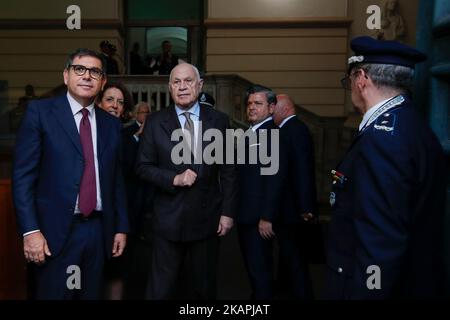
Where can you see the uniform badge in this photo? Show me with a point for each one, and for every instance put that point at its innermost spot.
(385, 123)
(332, 198)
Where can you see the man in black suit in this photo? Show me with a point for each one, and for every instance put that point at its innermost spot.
(136, 193)
(298, 197)
(259, 193)
(140, 196)
(194, 203)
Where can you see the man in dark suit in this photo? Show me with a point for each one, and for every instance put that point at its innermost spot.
(140, 197)
(67, 185)
(137, 193)
(194, 202)
(298, 199)
(259, 193)
(385, 237)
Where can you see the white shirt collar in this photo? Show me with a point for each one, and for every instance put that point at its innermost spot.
(195, 110)
(370, 112)
(256, 126)
(286, 120)
(76, 107)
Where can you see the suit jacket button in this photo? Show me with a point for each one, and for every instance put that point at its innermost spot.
(340, 270)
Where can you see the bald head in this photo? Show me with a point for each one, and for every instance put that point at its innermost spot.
(184, 67)
(284, 108)
(185, 85)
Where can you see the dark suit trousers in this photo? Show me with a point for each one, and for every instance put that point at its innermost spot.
(289, 239)
(168, 258)
(258, 259)
(84, 248)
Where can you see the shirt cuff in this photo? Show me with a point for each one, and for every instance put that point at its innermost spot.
(136, 138)
(30, 232)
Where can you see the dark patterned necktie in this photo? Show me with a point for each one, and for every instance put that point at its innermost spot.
(189, 127)
(88, 190)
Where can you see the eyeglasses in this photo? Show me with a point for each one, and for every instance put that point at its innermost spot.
(178, 83)
(94, 73)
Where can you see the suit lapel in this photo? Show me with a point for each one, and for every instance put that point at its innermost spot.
(63, 114)
(207, 123)
(102, 131)
(170, 123)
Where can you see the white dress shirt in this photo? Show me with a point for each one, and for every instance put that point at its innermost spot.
(76, 111)
(286, 120)
(134, 135)
(370, 112)
(256, 126)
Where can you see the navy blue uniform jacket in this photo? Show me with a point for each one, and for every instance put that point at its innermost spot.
(387, 211)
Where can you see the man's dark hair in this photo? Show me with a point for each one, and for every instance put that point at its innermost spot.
(82, 52)
(256, 88)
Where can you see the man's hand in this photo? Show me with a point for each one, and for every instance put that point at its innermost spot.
(120, 240)
(225, 225)
(35, 248)
(185, 179)
(138, 133)
(265, 229)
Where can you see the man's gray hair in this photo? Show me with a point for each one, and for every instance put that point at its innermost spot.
(389, 76)
(197, 73)
(139, 104)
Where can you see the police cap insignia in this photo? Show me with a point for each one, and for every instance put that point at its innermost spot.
(206, 99)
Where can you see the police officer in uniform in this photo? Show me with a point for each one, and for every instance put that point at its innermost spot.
(205, 99)
(384, 238)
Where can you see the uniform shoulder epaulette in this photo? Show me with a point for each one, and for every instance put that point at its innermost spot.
(386, 123)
